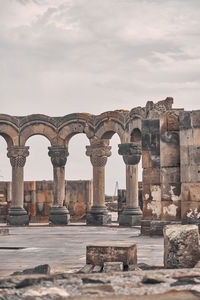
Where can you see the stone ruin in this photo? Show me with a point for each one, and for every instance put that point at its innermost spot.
(167, 139)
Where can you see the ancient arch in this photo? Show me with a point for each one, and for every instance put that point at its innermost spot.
(9, 132)
(157, 125)
(38, 128)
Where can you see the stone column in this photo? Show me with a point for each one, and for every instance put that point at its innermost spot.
(59, 214)
(17, 214)
(99, 151)
(132, 213)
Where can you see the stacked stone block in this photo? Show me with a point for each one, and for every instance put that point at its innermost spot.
(151, 173)
(170, 167)
(190, 166)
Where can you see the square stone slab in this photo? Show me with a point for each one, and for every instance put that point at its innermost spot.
(99, 253)
(4, 231)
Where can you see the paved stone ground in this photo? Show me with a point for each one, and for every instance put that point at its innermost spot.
(63, 248)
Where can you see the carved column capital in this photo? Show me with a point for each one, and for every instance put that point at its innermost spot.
(131, 153)
(17, 155)
(58, 155)
(98, 152)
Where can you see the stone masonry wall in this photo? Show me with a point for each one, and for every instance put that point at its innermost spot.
(38, 199)
(151, 192)
(170, 167)
(190, 166)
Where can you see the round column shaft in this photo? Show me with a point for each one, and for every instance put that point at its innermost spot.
(132, 213)
(99, 186)
(132, 186)
(59, 214)
(59, 186)
(17, 214)
(99, 151)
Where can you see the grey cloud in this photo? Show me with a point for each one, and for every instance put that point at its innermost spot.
(62, 56)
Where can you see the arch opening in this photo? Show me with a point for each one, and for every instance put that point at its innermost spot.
(7, 138)
(38, 164)
(5, 166)
(115, 175)
(136, 136)
(79, 193)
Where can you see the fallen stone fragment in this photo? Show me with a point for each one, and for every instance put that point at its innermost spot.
(145, 267)
(94, 281)
(197, 265)
(99, 253)
(185, 281)
(86, 269)
(188, 275)
(115, 266)
(181, 246)
(28, 282)
(96, 290)
(43, 291)
(97, 269)
(7, 283)
(152, 279)
(4, 231)
(133, 268)
(41, 269)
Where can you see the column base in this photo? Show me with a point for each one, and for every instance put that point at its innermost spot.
(98, 216)
(59, 215)
(155, 227)
(130, 217)
(17, 217)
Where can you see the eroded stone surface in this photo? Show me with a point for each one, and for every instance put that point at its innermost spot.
(146, 285)
(181, 246)
(99, 253)
(4, 231)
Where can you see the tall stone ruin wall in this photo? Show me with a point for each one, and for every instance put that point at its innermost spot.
(170, 141)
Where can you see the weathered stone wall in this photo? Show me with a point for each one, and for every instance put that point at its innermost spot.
(78, 198)
(161, 171)
(38, 199)
(190, 166)
(151, 173)
(170, 167)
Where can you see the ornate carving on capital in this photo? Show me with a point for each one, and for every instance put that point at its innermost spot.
(98, 153)
(131, 153)
(58, 155)
(17, 155)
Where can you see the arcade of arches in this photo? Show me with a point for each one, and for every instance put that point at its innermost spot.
(168, 140)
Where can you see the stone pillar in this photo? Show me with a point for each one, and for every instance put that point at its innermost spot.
(17, 214)
(132, 213)
(59, 214)
(99, 151)
(151, 186)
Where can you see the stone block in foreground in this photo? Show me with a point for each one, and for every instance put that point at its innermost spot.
(4, 231)
(181, 246)
(99, 253)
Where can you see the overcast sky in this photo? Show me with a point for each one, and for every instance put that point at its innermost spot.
(62, 56)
